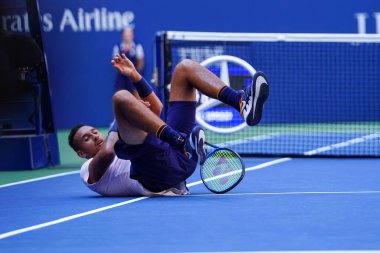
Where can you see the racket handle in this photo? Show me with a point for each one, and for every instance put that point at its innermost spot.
(211, 145)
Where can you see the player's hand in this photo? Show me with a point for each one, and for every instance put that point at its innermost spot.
(125, 67)
(147, 104)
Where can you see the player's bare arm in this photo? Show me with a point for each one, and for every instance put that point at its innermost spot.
(102, 160)
(125, 67)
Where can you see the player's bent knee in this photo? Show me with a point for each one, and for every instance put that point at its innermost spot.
(182, 72)
(122, 97)
(185, 65)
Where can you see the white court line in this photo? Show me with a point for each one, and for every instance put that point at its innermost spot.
(248, 139)
(39, 178)
(72, 217)
(257, 167)
(279, 193)
(46, 224)
(344, 144)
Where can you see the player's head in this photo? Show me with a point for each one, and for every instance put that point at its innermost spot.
(85, 140)
(127, 35)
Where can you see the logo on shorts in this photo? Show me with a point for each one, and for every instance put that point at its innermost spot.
(213, 114)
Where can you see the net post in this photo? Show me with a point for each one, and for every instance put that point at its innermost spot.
(160, 69)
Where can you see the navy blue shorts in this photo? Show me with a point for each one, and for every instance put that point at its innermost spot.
(155, 164)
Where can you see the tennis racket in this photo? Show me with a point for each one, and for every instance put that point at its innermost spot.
(222, 170)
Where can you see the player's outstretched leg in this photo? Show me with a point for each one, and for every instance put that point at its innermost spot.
(253, 99)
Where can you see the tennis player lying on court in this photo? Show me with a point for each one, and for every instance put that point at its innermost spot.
(142, 155)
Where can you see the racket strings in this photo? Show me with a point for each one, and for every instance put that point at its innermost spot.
(222, 170)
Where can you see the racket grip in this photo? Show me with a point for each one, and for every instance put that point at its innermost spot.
(211, 145)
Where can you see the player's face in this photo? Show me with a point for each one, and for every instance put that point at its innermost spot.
(89, 141)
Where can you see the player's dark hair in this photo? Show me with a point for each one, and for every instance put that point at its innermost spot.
(72, 133)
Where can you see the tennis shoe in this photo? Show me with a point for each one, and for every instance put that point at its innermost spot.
(253, 99)
(194, 144)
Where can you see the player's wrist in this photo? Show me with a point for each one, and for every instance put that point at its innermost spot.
(135, 76)
(143, 88)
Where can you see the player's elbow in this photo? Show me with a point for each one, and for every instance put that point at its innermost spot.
(106, 154)
(158, 109)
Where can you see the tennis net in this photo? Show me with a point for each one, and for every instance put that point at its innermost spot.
(324, 90)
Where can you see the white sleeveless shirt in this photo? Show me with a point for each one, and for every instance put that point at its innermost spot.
(117, 182)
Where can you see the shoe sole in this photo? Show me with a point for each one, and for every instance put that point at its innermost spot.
(261, 95)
